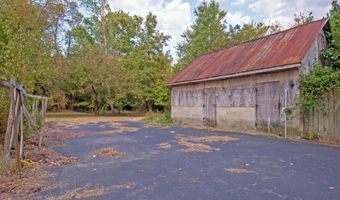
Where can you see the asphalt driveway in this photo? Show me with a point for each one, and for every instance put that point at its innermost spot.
(155, 165)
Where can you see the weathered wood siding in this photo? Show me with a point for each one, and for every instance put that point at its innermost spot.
(268, 106)
(235, 101)
(313, 55)
(209, 106)
(324, 120)
(238, 96)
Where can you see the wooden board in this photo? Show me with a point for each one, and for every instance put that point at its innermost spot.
(209, 106)
(268, 105)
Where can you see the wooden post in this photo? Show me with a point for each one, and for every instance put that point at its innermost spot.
(14, 114)
(21, 131)
(16, 133)
(43, 111)
(10, 120)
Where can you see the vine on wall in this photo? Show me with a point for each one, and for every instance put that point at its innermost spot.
(315, 86)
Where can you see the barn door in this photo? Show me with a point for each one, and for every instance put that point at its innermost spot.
(268, 105)
(209, 106)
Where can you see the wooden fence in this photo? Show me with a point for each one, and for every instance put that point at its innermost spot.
(14, 136)
(324, 121)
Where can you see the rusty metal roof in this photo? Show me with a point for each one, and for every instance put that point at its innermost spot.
(279, 49)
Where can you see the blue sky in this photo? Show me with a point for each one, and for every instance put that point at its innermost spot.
(174, 16)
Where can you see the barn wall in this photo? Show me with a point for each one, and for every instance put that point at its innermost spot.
(235, 99)
(313, 55)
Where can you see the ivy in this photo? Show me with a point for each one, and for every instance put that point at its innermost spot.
(316, 85)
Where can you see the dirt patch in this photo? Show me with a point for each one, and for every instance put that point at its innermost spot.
(196, 144)
(118, 128)
(55, 144)
(24, 185)
(66, 135)
(82, 192)
(88, 191)
(239, 171)
(7, 165)
(164, 146)
(108, 151)
(48, 157)
(33, 176)
(91, 119)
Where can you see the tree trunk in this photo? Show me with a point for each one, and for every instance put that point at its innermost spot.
(112, 107)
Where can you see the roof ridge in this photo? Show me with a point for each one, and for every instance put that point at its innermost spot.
(265, 36)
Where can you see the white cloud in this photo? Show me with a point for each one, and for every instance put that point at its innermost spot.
(237, 18)
(283, 11)
(239, 2)
(173, 16)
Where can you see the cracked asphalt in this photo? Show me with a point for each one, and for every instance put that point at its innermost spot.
(279, 168)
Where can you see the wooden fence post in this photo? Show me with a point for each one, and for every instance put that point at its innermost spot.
(10, 121)
(43, 114)
(21, 130)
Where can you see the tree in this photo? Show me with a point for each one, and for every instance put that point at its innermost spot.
(303, 18)
(238, 34)
(210, 32)
(150, 66)
(207, 33)
(332, 54)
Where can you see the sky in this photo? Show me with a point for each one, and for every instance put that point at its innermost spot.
(175, 16)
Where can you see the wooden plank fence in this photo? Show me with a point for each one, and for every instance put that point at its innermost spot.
(14, 136)
(324, 120)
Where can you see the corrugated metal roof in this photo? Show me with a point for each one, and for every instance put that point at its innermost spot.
(279, 49)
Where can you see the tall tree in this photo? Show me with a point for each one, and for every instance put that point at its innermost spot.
(150, 65)
(207, 33)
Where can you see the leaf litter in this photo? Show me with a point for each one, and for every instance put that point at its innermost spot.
(107, 151)
(164, 146)
(118, 128)
(88, 191)
(196, 143)
(239, 171)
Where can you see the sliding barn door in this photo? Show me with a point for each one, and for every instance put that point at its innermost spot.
(268, 105)
(209, 106)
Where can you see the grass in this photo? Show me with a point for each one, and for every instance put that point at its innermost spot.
(312, 137)
(68, 114)
(159, 119)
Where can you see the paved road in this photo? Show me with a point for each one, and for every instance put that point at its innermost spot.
(275, 168)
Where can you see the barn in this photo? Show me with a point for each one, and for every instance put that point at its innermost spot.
(247, 86)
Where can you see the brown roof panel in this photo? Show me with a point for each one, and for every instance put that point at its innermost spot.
(283, 48)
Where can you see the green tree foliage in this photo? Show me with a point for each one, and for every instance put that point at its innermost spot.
(24, 43)
(323, 79)
(238, 34)
(316, 85)
(207, 33)
(332, 54)
(210, 32)
(150, 65)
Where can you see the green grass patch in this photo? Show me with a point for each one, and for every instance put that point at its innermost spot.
(68, 114)
(313, 137)
(159, 119)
